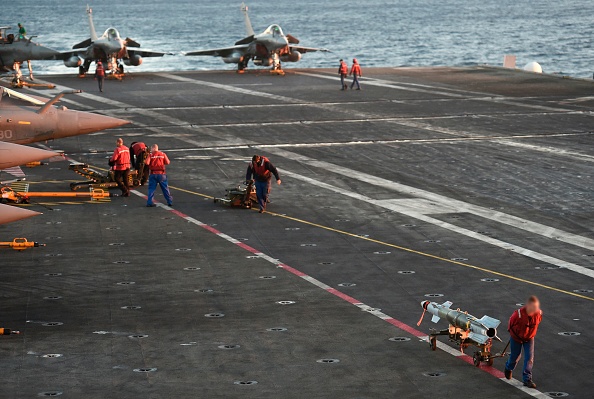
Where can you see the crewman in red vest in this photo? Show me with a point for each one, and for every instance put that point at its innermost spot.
(100, 75)
(138, 154)
(262, 170)
(523, 325)
(356, 72)
(120, 161)
(156, 162)
(343, 71)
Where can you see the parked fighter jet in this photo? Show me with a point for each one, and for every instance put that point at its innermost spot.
(109, 48)
(26, 119)
(17, 50)
(14, 155)
(268, 48)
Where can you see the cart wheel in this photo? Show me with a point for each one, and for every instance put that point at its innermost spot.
(476, 359)
(490, 361)
(433, 343)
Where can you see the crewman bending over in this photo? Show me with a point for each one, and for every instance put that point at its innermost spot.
(156, 162)
(138, 154)
(523, 325)
(120, 161)
(8, 331)
(262, 170)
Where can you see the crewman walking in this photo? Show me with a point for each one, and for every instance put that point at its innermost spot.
(343, 71)
(262, 170)
(356, 72)
(100, 75)
(120, 161)
(139, 153)
(156, 162)
(522, 327)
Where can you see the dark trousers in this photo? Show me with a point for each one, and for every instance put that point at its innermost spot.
(342, 84)
(514, 355)
(262, 191)
(355, 81)
(121, 177)
(100, 83)
(142, 172)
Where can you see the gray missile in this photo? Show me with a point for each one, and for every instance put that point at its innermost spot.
(479, 330)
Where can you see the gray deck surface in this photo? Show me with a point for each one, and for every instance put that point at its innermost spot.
(488, 166)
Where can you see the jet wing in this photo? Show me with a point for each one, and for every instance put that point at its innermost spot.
(303, 49)
(221, 52)
(144, 53)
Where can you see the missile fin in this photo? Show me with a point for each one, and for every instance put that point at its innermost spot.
(435, 319)
(447, 304)
(479, 338)
(489, 322)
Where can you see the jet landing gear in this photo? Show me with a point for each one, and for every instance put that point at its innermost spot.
(276, 66)
(84, 68)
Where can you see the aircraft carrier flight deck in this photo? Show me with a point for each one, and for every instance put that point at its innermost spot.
(470, 185)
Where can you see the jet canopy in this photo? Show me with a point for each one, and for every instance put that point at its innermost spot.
(112, 34)
(274, 30)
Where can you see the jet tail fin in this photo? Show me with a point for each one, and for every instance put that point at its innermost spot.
(248, 24)
(91, 24)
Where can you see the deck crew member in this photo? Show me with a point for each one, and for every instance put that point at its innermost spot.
(121, 166)
(522, 327)
(138, 154)
(356, 72)
(156, 162)
(262, 170)
(22, 31)
(100, 75)
(8, 331)
(343, 71)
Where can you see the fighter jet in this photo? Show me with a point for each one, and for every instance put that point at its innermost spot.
(109, 48)
(268, 48)
(26, 119)
(14, 155)
(17, 50)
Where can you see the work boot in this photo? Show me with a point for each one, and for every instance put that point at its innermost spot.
(261, 211)
(530, 384)
(150, 205)
(508, 374)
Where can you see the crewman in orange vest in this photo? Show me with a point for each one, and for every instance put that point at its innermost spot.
(120, 161)
(343, 71)
(100, 75)
(156, 162)
(356, 72)
(262, 170)
(138, 154)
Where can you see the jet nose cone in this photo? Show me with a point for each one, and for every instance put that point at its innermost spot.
(89, 123)
(45, 53)
(10, 214)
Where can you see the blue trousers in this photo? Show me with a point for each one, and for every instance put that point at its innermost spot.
(342, 85)
(161, 180)
(262, 190)
(355, 81)
(515, 351)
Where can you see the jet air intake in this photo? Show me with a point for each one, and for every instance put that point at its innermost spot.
(233, 58)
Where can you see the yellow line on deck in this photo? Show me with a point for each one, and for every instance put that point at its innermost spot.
(410, 250)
